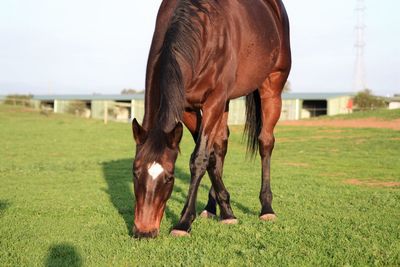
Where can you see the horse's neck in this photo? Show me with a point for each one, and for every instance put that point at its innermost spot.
(150, 109)
(151, 116)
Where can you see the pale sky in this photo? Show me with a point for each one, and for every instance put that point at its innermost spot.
(71, 46)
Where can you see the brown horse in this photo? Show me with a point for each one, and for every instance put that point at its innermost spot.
(205, 53)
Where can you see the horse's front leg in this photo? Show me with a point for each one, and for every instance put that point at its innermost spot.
(218, 192)
(212, 117)
(192, 120)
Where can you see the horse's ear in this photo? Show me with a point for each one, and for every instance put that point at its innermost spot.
(139, 134)
(175, 136)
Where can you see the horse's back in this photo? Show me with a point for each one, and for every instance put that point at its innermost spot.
(262, 29)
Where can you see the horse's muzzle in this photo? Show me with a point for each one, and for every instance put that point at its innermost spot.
(152, 234)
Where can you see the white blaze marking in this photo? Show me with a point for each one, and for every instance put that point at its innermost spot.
(155, 170)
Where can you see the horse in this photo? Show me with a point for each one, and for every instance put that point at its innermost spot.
(205, 53)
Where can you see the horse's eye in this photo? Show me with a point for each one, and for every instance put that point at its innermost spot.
(169, 179)
(136, 174)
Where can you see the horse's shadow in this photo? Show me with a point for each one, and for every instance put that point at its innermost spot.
(63, 255)
(118, 175)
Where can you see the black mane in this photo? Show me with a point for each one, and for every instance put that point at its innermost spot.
(181, 40)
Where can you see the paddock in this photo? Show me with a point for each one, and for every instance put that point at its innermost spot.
(66, 197)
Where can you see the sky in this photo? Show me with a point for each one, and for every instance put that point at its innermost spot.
(101, 46)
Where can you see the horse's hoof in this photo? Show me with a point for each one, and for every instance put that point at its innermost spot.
(268, 217)
(207, 215)
(230, 221)
(179, 233)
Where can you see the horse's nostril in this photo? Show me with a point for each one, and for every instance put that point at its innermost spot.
(151, 234)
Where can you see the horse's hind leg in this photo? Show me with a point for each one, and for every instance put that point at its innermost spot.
(210, 210)
(271, 103)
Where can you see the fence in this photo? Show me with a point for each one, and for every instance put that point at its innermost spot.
(19, 101)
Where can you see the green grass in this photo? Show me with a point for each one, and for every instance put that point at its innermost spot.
(384, 114)
(66, 199)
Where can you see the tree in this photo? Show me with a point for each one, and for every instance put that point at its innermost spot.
(366, 100)
(129, 92)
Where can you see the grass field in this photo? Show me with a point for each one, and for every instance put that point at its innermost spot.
(383, 114)
(66, 199)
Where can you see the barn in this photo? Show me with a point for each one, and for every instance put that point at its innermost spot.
(115, 107)
(121, 108)
(296, 106)
(394, 102)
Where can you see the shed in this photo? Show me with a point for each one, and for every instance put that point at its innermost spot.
(394, 102)
(295, 106)
(119, 107)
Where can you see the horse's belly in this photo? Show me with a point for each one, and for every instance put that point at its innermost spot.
(252, 70)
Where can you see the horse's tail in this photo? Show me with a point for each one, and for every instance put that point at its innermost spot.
(253, 121)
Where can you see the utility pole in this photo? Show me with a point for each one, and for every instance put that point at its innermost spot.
(359, 83)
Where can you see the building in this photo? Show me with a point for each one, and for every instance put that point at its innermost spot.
(394, 102)
(115, 107)
(122, 108)
(297, 106)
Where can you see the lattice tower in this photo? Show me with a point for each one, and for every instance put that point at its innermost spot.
(359, 82)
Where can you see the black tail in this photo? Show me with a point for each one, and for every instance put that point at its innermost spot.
(253, 121)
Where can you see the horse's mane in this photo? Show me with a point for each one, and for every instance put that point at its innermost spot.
(181, 40)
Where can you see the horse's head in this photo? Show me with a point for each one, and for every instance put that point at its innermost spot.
(153, 171)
